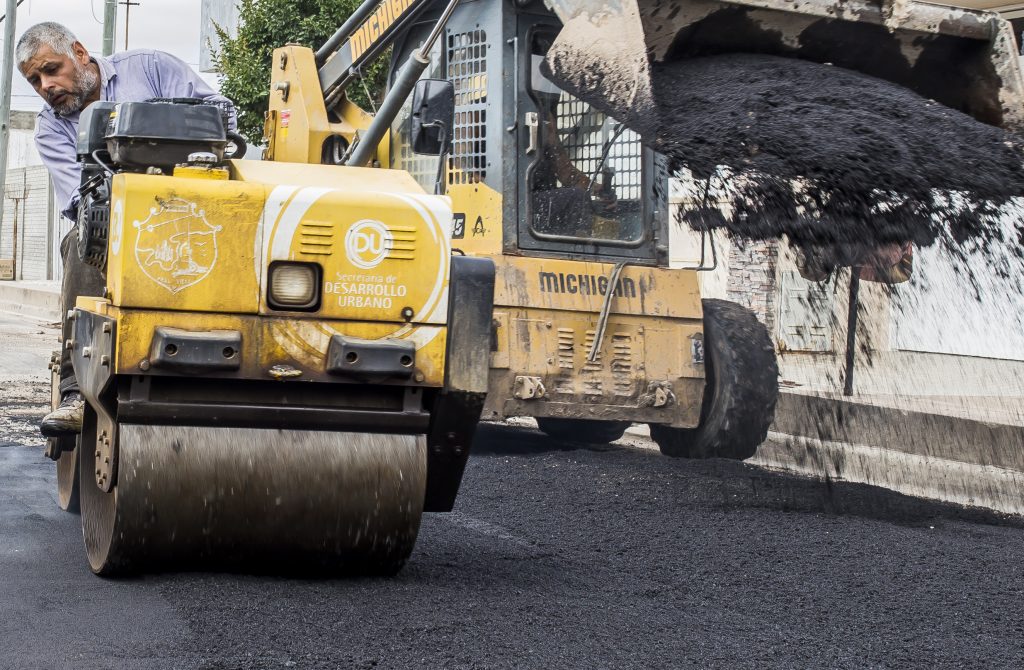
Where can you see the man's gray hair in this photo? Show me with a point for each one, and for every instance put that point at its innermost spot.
(53, 35)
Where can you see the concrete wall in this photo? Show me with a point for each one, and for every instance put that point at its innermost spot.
(952, 305)
(28, 212)
(968, 305)
(21, 151)
(28, 205)
(744, 272)
(223, 13)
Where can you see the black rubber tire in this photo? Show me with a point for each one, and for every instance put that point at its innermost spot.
(582, 430)
(740, 393)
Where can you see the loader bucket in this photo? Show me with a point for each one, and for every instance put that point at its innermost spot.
(965, 59)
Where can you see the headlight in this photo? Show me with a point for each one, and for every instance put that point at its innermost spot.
(294, 286)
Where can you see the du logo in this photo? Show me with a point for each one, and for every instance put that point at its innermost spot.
(176, 246)
(367, 243)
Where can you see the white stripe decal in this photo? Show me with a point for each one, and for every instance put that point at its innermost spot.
(271, 212)
(439, 296)
(281, 242)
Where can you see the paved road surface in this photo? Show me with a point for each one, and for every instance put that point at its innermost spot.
(556, 557)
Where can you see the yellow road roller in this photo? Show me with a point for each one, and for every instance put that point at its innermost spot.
(286, 363)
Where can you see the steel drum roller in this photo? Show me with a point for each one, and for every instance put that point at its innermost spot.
(339, 501)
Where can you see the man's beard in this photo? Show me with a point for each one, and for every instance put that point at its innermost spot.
(74, 100)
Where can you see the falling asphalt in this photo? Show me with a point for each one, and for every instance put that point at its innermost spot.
(822, 155)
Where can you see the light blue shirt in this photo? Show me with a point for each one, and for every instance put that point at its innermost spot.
(129, 76)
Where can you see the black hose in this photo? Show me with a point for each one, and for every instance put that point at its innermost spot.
(102, 163)
(240, 146)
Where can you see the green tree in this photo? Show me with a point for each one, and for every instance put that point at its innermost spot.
(265, 25)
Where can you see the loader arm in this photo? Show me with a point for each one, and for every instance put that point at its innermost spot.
(310, 119)
(370, 30)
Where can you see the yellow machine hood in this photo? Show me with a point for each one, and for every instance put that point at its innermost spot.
(382, 246)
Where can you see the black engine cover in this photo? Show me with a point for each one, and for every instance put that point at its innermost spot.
(163, 134)
(94, 221)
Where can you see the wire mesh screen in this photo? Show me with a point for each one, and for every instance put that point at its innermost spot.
(467, 70)
(585, 132)
(422, 167)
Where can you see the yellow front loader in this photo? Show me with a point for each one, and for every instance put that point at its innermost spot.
(592, 329)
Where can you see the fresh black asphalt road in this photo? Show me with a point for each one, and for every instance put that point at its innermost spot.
(558, 556)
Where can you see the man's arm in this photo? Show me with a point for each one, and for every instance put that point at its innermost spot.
(173, 78)
(58, 148)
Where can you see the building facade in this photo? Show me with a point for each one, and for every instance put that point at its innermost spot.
(221, 14)
(30, 225)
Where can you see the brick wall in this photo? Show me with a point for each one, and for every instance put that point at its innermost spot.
(747, 271)
(752, 278)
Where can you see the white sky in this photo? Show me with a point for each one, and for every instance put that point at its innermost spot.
(167, 25)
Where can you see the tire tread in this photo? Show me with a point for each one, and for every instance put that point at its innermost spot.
(735, 418)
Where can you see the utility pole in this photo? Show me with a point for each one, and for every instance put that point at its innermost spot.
(851, 329)
(109, 26)
(10, 21)
(18, 200)
(128, 4)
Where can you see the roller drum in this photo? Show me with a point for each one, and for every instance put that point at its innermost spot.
(67, 479)
(347, 502)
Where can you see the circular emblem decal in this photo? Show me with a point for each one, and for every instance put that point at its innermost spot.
(367, 243)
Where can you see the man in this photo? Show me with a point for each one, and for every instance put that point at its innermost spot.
(891, 263)
(69, 79)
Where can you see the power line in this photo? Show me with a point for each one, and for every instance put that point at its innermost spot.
(5, 16)
(92, 8)
(128, 4)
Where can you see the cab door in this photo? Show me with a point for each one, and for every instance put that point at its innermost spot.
(581, 174)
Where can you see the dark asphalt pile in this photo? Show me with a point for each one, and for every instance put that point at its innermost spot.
(870, 152)
(554, 558)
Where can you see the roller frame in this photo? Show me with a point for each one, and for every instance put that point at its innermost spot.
(92, 355)
(456, 410)
(116, 400)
